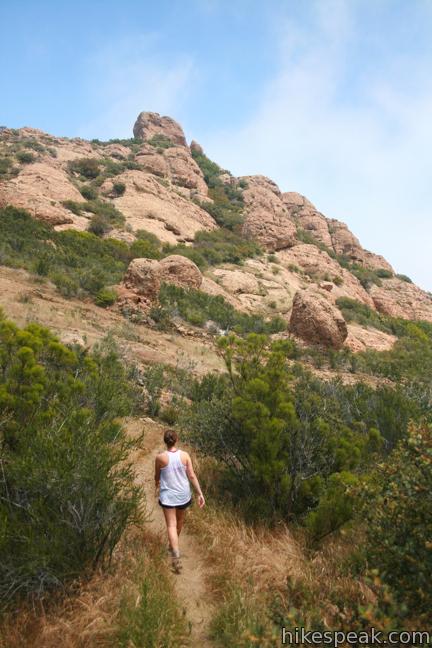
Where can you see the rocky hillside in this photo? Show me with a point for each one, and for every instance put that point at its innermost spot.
(295, 262)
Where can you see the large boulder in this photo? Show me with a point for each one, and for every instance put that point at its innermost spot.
(149, 124)
(316, 320)
(143, 277)
(181, 271)
(266, 218)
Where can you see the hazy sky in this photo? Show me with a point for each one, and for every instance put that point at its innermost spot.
(330, 98)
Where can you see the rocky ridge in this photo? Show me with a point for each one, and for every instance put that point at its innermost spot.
(157, 184)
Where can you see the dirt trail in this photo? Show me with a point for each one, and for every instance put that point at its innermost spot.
(190, 584)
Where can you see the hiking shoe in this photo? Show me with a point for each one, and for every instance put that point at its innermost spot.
(176, 564)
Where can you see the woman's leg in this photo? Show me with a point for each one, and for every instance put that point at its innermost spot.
(180, 515)
(171, 524)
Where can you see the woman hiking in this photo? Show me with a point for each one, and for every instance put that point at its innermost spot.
(173, 471)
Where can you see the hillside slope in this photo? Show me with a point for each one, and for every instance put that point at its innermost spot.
(155, 185)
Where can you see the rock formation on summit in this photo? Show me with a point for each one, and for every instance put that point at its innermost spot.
(149, 124)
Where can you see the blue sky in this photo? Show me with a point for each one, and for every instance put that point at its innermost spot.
(331, 98)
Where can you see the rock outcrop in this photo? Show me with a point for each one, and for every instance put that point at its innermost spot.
(399, 298)
(316, 320)
(332, 233)
(266, 218)
(320, 267)
(194, 146)
(176, 164)
(149, 204)
(41, 189)
(145, 276)
(181, 271)
(149, 124)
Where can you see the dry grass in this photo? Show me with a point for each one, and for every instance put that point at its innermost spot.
(90, 617)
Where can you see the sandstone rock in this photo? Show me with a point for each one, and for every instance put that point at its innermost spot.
(194, 146)
(346, 244)
(41, 189)
(316, 320)
(184, 171)
(212, 288)
(398, 298)
(266, 218)
(236, 281)
(179, 270)
(143, 277)
(117, 151)
(148, 204)
(360, 338)
(319, 266)
(331, 232)
(149, 124)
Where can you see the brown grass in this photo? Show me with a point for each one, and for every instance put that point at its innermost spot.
(90, 616)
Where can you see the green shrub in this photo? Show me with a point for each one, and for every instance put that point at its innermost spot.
(153, 380)
(404, 277)
(398, 509)
(287, 450)
(145, 249)
(119, 188)
(88, 192)
(85, 167)
(25, 157)
(197, 307)
(78, 263)
(99, 225)
(105, 297)
(106, 215)
(160, 141)
(5, 165)
(227, 205)
(383, 273)
(67, 490)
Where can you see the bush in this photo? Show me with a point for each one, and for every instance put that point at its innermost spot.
(106, 215)
(79, 263)
(160, 141)
(85, 167)
(88, 192)
(119, 188)
(5, 165)
(398, 509)
(284, 449)
(67, 490)
(197, 307)
(383, 273)
(403, 277)
(227, 205)
(25, 157)
(105, 297)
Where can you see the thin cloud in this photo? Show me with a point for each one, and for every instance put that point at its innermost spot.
(358, 146)
(129, 77)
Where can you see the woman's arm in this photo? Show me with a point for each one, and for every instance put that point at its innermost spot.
(157, 474)
(194, 480)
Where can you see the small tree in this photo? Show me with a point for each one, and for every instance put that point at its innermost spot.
(399, 520)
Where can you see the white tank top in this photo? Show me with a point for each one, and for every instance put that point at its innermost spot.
(174, 483)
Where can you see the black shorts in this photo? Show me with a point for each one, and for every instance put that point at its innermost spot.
(179, 506)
